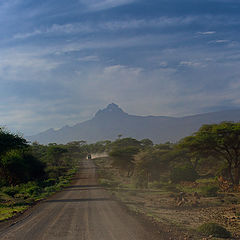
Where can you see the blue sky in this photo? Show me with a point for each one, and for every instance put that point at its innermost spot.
(60, 61)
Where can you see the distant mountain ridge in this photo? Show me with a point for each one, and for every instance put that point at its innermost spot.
(112, 121)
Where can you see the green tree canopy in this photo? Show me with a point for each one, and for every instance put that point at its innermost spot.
(20, 166)
(10, 141)
(146, 143)
(123, 158)
(218, 140)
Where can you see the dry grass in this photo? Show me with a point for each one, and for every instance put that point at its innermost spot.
(162, 206)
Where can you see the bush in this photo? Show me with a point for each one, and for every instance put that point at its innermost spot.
(214, 229)
(49, 182)
(171, 188)
(209, 191)
(50, 189)
(141, 180)
(108, 183)
(186, 173)
(34, 190)
(3, 182)
(155, 184)
(10, 191)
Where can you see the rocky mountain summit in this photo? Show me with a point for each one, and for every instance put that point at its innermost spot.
(111, 121)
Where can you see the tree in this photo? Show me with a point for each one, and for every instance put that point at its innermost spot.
(146, 143)
(124, 142)
(10, 141)
(20, 166)
(123, 152)
(218, 140)
(55, 154)
(119, 136)
(150, 164)
(123, 158)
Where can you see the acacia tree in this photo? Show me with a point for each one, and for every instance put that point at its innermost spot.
(123, 152)
(218, 140)
(10, 141)
(17, 164)
(123, 158)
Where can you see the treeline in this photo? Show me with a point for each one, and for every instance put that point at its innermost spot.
(30, 172)
(213, 151)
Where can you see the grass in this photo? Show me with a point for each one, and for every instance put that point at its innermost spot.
(16, 199)
(159, 200)
(214, 230)
(8, 212)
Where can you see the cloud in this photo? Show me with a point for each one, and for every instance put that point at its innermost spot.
(207, 33)
(90, 58)
(222, 41)
(24, 65)
(110, 26)
(98, 5)
(69, 59)
(190, 64)
(56, 29)
(219, 41)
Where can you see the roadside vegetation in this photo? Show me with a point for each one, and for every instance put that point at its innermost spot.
(29, 173)
(191, 187)
(181, 185)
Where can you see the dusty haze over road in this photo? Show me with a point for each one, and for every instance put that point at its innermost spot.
(81, 211)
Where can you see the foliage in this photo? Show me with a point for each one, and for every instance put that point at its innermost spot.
(125, 142)
(123, 158)
(209, 191)
(149, 165)
(108, 183)
(214, 229)
(32, 172)
(184, 173)
(146, 143)
(218, 140)
(20, 166)
(155, 184)
(123, 152)
(10, 141)
(55, 154)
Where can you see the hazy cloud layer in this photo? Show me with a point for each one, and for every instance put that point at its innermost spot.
(61, 61)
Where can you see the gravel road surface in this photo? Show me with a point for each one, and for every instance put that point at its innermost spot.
(81, 211)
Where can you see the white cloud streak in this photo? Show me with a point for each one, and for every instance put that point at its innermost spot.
(98, 5)
(78, 28)
(207, 33)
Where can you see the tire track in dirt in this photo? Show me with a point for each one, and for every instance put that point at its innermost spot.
(82, 211)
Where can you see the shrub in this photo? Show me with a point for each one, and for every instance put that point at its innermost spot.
(171, 188)
(209, 191)
(186, 173)
(50, 189)
(10, 191)
(33, 190)
(155, 184)
(214, 229)
(49, 182)
(108, 183)
(140, 180)
(3, 183)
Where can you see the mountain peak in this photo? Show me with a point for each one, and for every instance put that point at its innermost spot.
(112, 109)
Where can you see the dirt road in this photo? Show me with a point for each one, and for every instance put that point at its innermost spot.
(81, 211)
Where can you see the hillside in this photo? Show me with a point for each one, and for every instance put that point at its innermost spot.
(111, 121)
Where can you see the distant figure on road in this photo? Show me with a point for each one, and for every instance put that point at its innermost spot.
(89, 156)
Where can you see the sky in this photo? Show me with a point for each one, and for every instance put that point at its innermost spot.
(61, 61)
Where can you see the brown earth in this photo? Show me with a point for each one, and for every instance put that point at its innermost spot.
(81, 211)
(161, 206)
(181, 222)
